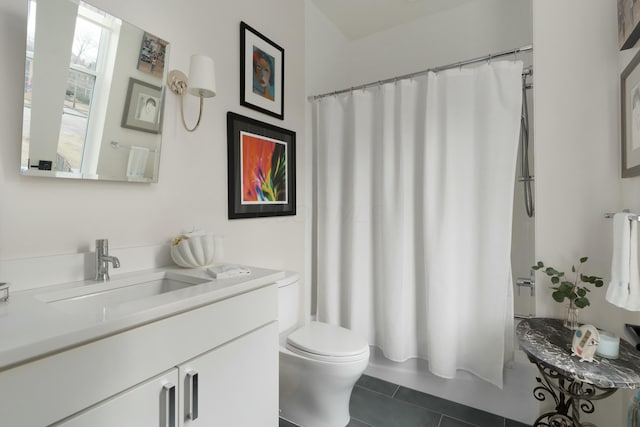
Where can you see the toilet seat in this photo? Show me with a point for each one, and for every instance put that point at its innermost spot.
(324, 342)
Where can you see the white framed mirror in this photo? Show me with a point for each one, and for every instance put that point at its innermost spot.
(94, 95)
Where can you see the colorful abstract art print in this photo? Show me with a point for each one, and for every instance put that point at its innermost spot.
(261, 73)
(264, 169)
(261, 168)
(153, 51)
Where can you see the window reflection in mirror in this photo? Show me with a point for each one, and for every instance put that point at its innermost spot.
(79, 64)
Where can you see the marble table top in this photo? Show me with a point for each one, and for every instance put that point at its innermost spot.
(548, 342)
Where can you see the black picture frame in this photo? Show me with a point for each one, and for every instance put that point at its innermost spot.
(628, 23)
(261, 167)
(260, 56)
(135, 115)
(630, 118)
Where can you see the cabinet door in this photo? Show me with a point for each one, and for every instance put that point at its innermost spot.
(235, 384)
(152, 403)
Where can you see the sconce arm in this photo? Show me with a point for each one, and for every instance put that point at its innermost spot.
(184, 123)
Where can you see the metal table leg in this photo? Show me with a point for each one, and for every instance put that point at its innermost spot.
(570, 395)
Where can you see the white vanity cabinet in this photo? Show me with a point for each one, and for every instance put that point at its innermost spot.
(231, 385)
(221, 359)
(237, 384)
(152, 403)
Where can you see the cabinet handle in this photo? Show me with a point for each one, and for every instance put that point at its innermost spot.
(169, 391)
(192, 402)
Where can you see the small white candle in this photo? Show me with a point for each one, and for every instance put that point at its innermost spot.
(609, 345)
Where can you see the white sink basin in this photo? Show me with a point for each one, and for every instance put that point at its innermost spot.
(122, 296)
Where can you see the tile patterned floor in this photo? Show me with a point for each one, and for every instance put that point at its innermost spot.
(378, 403)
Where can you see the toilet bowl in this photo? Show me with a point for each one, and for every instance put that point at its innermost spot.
(319, 365)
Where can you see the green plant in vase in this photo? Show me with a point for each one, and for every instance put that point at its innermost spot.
(575, 290)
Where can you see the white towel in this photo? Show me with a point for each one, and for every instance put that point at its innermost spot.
(624, 287)
(228, 271)
(137, 162)
(633, 303)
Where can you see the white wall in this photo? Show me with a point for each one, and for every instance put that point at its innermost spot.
(576, 110)
(474, 29)
(577, 151)
(40, 217)
(326, 52)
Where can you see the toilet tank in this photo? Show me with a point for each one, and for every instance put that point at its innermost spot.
(288, 301)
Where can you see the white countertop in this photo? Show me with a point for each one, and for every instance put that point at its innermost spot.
(31, 328)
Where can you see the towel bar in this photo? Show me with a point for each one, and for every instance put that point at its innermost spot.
(634, 217)
(116, 145)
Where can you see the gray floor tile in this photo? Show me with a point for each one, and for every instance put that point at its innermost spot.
(377, 385)
(446, 407)
(352, 423)
(382, 411)
(285, 423)
(450, 422)
(511, 423)
(378, 403)
(357, 423)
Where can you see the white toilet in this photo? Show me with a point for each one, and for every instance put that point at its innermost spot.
(319, 364)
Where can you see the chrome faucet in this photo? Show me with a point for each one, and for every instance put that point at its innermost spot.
(103, 259)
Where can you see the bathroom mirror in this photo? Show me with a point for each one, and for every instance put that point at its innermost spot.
(93, 95)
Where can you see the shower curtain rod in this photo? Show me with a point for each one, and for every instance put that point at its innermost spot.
(489, 57)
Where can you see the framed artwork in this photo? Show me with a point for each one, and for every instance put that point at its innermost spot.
(142, 107)
(628, 20)
(630, 113)
(152, 54)
(261, 168)
(261, 73)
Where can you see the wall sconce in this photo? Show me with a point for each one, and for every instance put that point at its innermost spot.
(201, 83)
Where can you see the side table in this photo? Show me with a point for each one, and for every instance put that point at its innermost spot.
(572, 384)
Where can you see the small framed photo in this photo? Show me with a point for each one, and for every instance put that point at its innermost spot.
(153, 51)
(630, 115)
(261, 73)
(628, 23)
(142, 107)
(261, 168)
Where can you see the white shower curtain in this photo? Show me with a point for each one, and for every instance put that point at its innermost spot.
(414, 204)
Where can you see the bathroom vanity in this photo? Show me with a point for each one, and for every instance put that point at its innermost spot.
(166, 347)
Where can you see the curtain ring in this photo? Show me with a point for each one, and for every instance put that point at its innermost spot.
(489, 59)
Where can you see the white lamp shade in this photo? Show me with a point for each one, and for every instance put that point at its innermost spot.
(202, 76)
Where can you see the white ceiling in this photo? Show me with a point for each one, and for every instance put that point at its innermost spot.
(360, 18)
